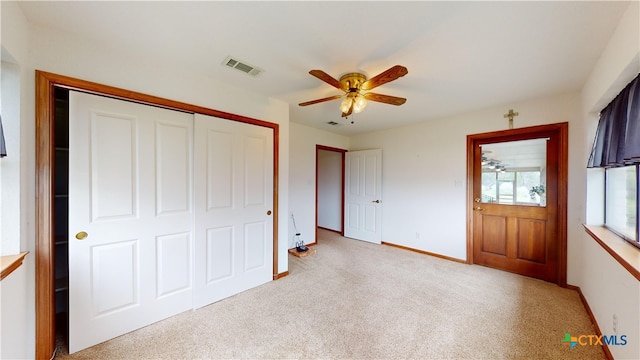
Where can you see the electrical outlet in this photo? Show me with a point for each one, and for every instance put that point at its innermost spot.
(615, 324)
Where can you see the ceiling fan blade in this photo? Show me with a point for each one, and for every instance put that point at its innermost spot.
(320, 100)
(385, 99)
(327, 78)
(385, 77)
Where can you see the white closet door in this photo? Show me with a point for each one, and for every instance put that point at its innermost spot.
(233, 208)
(130, 192)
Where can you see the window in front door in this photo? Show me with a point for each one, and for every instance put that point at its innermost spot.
(514, 172)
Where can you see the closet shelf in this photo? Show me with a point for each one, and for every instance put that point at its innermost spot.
(62, 284)
(61, 240)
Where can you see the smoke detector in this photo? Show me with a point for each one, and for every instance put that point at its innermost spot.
(242, 66)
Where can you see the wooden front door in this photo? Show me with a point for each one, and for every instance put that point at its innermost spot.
(517, 201)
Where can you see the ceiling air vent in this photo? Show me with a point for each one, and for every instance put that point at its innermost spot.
(333, 123)
(242, 66)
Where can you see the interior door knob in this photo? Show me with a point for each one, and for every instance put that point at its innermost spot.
(81, 235)
(268, 212)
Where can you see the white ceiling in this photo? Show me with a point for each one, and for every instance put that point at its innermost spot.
(461, 56)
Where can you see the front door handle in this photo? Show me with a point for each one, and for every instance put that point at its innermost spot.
(478, 208)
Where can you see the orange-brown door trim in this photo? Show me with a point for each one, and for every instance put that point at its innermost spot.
(342, 152)
(45, 84)
(562, 131)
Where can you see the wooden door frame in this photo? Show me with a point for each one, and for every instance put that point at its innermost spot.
(44, 231)
(342, 152)
(561, 130)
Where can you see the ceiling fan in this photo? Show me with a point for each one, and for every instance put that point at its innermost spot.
(354, 86)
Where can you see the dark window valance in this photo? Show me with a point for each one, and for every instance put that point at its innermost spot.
(3, 147)
(617, 141)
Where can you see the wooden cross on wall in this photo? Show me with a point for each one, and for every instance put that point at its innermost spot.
(510, 115)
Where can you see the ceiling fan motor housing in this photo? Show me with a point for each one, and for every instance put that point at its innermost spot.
(352, 81)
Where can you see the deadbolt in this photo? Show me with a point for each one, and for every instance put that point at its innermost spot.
(476, 200)
(81, 235)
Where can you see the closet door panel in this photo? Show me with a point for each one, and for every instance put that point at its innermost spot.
(219, 181)
(255, 238)
(254, 181)
(113, 166)
(114, 292)
(219, 254)
(233, 223)
(173, 170)
(130, 217)
(174, 263)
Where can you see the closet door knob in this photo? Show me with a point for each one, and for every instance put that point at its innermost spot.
(81, 235)
(268, 212)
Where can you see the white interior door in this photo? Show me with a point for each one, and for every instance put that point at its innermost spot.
(234, 220)
(363, 199)
(130, 217)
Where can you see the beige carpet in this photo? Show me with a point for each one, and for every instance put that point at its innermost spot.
(358, 300)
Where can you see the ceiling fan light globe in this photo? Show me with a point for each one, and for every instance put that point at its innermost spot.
(359, 104)
(345, 105)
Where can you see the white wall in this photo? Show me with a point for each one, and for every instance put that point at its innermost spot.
(424, 171)
(302, 177)
(607, 286)
(10, 165)
(17, 341)
(330, 190)
(17, 292)
(14, 314)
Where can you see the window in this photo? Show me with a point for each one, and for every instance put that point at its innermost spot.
(621, 201)
(514, 172)
(514, 187)
(616, 148)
